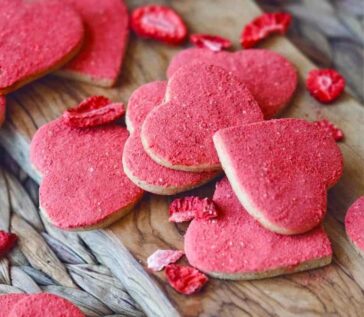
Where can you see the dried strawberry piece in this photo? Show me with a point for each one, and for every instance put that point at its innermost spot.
(185, 279)
(332, 129)
(160, 23)
(160, 258)
(93, 111)
(188, 208)
(7, 242)
(206, 210)
(263, 26)
(214, 43)
(325, 85)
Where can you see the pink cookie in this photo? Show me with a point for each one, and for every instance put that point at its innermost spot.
(100, 59)
(142, 101)
(36, 38)
(7, 302)
(154, 178)
(236, 246)
(270, 77)
(200, 100)
(2, 109)
(41, 305)
(354, 224)
(139, 167)
(84, 185)
(281, 170)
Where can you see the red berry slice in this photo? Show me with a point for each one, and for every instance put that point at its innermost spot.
(7, 242)
(325, 85)
(160, 23)
(332, 129)
(188, 208)
(93, 111)
(214, 43)
(263, 26)
(161, 258)
(185, 279)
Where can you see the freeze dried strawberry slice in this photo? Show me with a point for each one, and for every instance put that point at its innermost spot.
(332, 129)
(188, 208)
(183, 209)
(185, 279)
(161, 258)
(93, 111)
(325, 85)
(205, 210)
(263, 26)
(214, 43)
(7, 242)
(160, 23)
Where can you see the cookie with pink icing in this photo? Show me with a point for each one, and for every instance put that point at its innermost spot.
(235, 246)
(36, 37)
(8, 301)
(139, 167)
(84, 185)
(200, 100)
(354, 224)
(270, 77)
(2, 109)
(281, 171)
(44, 304)
(100, 60)
(142, 101)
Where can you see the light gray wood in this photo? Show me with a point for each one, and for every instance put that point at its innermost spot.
(71, 239)
(5, 204)
(4, 271)
(98, 281)
(90, 305)
(21, 204)
(38, 253)
(23, 281)
(8, 289)
(140, 286)
(38, 276)
(63, 252)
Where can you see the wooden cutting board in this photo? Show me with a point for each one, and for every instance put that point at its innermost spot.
(337, 289)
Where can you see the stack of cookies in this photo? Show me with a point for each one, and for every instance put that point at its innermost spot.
(209, 118)
(212, 116)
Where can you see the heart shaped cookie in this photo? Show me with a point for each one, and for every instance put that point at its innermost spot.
(2, 109)
(100, 59)
(8, 301)
(281, 171)
(36, 38)
(44, 304)
(235, 246)
(354, 224)
(200, 100)
(138, 166)
(142, 101)
(84, 185)
(270, 77)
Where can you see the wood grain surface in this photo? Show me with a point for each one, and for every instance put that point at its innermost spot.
(334, 290)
